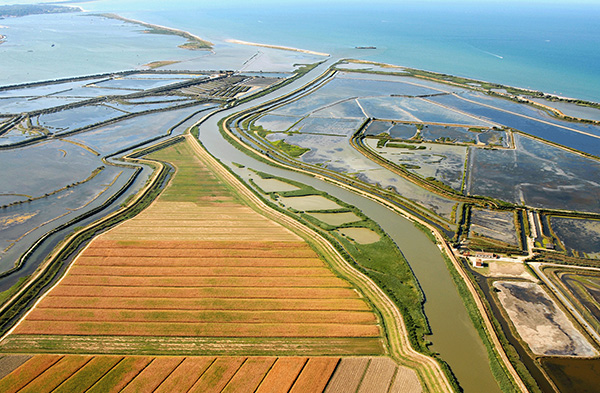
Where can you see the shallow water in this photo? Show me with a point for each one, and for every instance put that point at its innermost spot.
(550, 47)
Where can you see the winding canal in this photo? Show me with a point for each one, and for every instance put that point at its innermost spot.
(454, 336)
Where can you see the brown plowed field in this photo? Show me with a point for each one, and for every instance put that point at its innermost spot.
(134, 271)
(199, 262)
(282, 375)
(315, 375)
(203, 304)
(195, 282)
(248, 377)
(175, 374)
(178, 329)
(158, 292)
(233, 316)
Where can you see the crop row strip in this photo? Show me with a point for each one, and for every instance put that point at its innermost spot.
(429, 370)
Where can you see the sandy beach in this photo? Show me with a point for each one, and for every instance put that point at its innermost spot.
(310, 52)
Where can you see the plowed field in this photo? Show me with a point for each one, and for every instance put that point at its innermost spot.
(261, 374)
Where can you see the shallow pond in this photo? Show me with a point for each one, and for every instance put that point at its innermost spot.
(498, 225)
(51, 165)
(360, 235)
(574, 375)
(551, 132)
(29, 104)
(130, 132)
(272, 185)
(308, 203)
(75, 118)
(442, 162)
(541, 175)
(332, 126)
(573, 110)
(277, 122)
(137, 83)
(578, 234)
(336, 219)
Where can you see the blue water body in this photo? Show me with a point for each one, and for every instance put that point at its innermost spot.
(548, 46)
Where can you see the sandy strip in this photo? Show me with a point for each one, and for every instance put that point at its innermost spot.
(310, 52)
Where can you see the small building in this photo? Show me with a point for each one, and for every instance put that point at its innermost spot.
(478, 263)
(485, 255)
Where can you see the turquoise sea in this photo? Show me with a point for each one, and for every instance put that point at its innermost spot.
(551, 46)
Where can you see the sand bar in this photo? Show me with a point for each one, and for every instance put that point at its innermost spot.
(310, 52)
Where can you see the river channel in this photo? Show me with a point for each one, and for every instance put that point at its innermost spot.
(454, 336)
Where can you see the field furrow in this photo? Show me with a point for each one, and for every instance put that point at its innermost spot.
(136, 303)
(220, 329)
(153, 375)
(249, 376)
(208, 292)
(406, 381)
(199, 281)
(315, 375)
(251, 248)
(55, 375)
(201, 271)
(236, 316)
(218, 375)
(27, 372)
(85, 260)
(348, 375)
(89, 374)
(119, 376)
(185, 375)
(282, 375)
(133, 252)
(378, 376)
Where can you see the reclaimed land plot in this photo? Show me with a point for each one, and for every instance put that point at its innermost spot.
(200, 272)
(261, 374)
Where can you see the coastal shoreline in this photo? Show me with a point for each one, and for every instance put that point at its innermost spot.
(159, 29)
(288, 48)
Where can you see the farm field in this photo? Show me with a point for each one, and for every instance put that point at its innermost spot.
(198, 264)
(77, 373)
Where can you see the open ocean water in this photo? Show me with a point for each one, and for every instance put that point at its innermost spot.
(551, 46)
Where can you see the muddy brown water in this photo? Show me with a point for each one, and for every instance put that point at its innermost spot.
(574, 375)
(454, 336)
